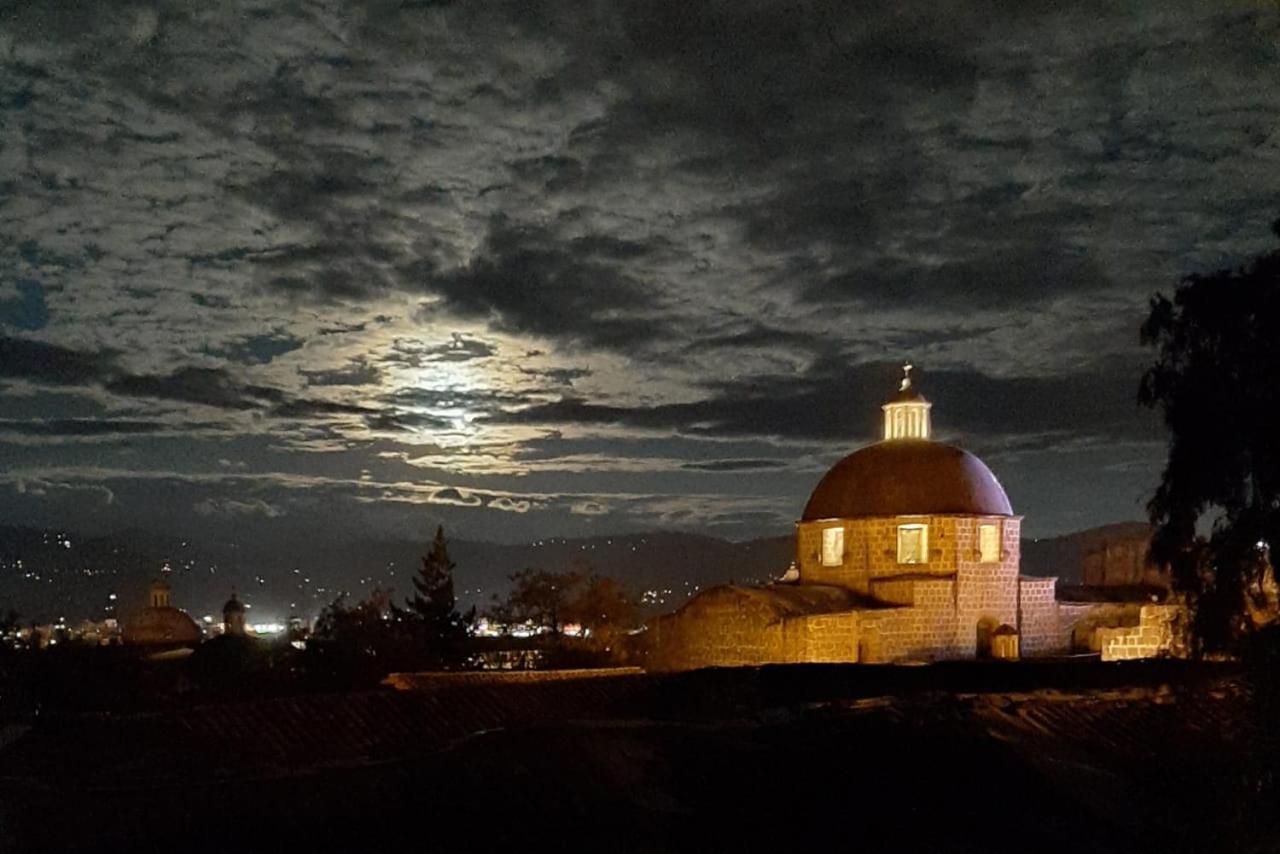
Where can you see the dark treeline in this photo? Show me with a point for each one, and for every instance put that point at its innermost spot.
(353, 645)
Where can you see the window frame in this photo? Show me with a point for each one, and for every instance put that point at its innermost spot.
(923, 528)
(994, 556)
(837, 532)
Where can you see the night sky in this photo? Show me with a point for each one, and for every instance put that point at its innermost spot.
(325, 269)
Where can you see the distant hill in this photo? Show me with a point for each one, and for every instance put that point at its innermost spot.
(49, 574)
(63, 574)
(1064, 556)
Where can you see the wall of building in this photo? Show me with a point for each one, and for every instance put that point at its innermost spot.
(871, 548)
(1082, 620)
(926, 631)
(1160, 632)
(826, 638)
(948, 607)
(723, 627)
(987, 593)
(946, 615)
(716, 628)
(1041, 632)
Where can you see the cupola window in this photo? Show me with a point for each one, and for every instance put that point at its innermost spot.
(989, 543)
(832, 546)
(913, 544)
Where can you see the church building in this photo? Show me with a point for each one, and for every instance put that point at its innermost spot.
(907, 550)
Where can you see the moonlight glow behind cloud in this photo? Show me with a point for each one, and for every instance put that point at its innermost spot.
(541, 270)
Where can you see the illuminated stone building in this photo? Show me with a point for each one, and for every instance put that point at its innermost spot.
(160, 624)
(907, 550)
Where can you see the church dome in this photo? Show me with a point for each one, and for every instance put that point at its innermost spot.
(160, 625)
(907, 477)
(907, 474)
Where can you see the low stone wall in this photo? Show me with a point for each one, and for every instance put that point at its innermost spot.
(732, 627)
(1159, 632)
(714, 630)
(827, 638)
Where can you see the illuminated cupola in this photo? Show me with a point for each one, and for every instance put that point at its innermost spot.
(907, 415)
(233, 616)
(160, 591)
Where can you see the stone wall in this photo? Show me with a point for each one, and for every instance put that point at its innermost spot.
(871, 554)
(926, 631)
(1041, 633)
(1083, 620)
(987, 593)
(828, 638)
(1160, 632)
(728, 627)
(716, 628)
(871, 550)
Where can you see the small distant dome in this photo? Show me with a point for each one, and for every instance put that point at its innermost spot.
(233, 606)
(907, 477)
(163, 625)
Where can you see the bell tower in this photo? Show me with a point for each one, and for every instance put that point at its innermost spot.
(907, 415)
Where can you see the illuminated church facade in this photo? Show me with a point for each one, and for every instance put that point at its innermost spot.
(907, 550)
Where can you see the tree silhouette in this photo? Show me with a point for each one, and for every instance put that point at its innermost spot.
(432, 611)
(1216, 511)
(538, 598)
(604, 608)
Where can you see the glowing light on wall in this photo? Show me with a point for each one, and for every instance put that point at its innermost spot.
(832, 546)
(913, 544)
(989, 543)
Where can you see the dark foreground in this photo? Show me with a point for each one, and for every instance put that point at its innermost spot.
(1160, 756)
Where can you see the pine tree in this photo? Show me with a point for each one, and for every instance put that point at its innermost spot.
(432, 611)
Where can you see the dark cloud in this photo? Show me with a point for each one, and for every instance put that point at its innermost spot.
(735, 465)
(733, 217)
(558, 376)
(524, 280)
(406, 422)
(302, 408)
(833, 400)
(459, 348)
(357, 373)
(753, 335)
(204, 386)
(996, 280)
(259, 349)
(82, 427)
(22, 359)
(450, 495)
(214, 387)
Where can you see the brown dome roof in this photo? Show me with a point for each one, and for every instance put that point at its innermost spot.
(160, 626)
(906, 477)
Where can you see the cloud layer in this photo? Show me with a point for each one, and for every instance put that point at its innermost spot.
(538, 269)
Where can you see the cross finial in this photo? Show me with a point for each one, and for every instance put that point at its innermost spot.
(906, 376)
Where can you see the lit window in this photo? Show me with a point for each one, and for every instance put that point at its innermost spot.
(989, 543)
(832, 546)
(913, 544)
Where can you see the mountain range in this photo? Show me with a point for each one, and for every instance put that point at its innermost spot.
(47, 574)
